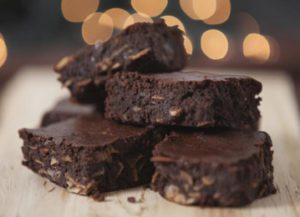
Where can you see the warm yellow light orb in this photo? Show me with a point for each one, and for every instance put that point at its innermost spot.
(204, 9)
(150, 7)
(137, 18)
(173, 21)
(97, 27)
(3, 51)
(256, 47)
(188, 45)
(214, 44)
(188, 8)
(221, 14)
(78, 10)
(118, 16)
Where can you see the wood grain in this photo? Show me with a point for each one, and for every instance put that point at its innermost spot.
(23, 193)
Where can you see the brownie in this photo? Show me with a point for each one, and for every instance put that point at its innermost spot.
(142, 47)
(66, 109)
(89, 155)
(189, 98)
(214, 168)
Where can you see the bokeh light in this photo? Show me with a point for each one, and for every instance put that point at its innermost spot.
(137, 18)
(97, 27)
(3, 51)
(256, 47)
(173, 21)
(221, 13)
(247, 24)
(118, 16)
(205, 9)
(275, 48)
(78, 10)
(150, 7)
(188, 45)
(188, 8)
(214, 44)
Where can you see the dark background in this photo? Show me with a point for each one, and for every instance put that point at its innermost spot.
(37, 33)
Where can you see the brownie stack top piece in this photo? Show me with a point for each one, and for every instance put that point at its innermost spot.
(188, 98)
(89, 155)
(143, 47)
(215, 168)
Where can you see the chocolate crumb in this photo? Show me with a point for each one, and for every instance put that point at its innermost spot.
(131, 199)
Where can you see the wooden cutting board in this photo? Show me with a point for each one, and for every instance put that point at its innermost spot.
(23, 193)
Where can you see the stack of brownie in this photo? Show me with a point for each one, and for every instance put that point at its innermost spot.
(136, 117)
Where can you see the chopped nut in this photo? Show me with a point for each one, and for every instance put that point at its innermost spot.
(54, 174)
(175, 111)
(68, 83)
(172, 193)
(157, 97)
(99, 173)
(186, 178)
(76, 187)
(162, 159)
(38, 161)
(53, 161)
(116, 66)
(44, 151)
(208, 180)
(32, 147)
(136, 108)
(63, 62)
(84, 82)
(42, 172)
(139, 54)
(67, 158)
(158, 120)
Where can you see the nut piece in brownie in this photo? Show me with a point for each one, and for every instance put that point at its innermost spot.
(225, 168)
(64, 110)
(188, 98)
(90, 155)
(142, 47)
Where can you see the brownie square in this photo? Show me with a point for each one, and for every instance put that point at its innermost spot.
(189, 98)
(214, 168)
(142, 47)
(90, 155)
(65, 109)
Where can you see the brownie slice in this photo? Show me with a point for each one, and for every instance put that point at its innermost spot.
(220, 168)
(188, 98)
(65, 109)
(90, 155)
(142, 47)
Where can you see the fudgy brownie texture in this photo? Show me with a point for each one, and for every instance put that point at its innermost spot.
(90, 155)
(187, 98)
(217, 168)
(142, 47)
(65, 109)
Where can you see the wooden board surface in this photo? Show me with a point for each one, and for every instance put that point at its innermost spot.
(23, 193)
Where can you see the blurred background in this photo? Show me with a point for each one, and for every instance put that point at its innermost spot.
(218, 33)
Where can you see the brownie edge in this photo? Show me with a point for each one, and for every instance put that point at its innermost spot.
(90, 155)
(214, 169)
(189, 98)
(143, 47)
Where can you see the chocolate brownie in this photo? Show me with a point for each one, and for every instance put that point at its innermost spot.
(66, 109)
(142, 47)
(89, 155)
(217, 168)
(188, 98)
